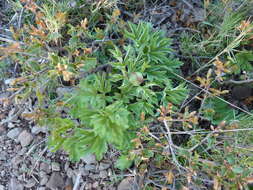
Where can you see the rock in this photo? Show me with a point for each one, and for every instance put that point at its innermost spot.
(2, 174)
(2, 130)
(22, 151)
(44, 180)
(3, 156)
(16, 161)
(95, 177)
(72, 4)
(1, 187)
(37, 129)
(10, 125)
(90, 167)
(103, 174)
(103, 166)
(70, 173)
(85, 172)
(30, 183)
(14, 133)
(41, 188)
(126, 184)
(89, 159)
(45, 167)
(15, 185)
(95, 185)
(25, 138)
(55, 166)
(55, 181)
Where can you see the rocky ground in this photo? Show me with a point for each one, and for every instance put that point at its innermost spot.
(26, 163)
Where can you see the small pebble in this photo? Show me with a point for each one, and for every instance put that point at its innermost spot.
(55, 166)
(25, 138)
(90, 167)
(14, 133)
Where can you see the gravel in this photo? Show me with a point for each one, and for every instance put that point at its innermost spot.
(14, 133)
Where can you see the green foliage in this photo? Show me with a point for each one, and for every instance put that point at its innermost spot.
(119, 73)
(217, 111)
(242, 62)
(108, 106)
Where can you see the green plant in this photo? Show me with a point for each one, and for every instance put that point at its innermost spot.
(117, 74)
(108, 105)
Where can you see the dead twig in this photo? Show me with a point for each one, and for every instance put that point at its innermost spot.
(238, 82)
(171, 145)
(211, 132)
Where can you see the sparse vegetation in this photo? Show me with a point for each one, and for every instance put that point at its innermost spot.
(186, 110)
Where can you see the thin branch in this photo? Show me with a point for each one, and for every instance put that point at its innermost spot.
(237, 82)
(201, 142)
(171, 145)
(209, 132)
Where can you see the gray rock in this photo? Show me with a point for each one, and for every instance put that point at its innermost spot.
(2, 173)
(10, 125)
(37, 129)
(15, 185)
(55, 181)
(30, 183)
(70, 173)
(90, 167)
(2, 130)
(126, 184)
(89, 159)
(85, 172)
(55, 166)
(41, 188)
(44, 180)
(45, 167)
(103, 174)
(16, 161)
(25, 138)
(14, 133)
(95, 177)
(95, 185)
(1, 187)
(3, 156)
(22, 151)
(72, 4)
(103, 166)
